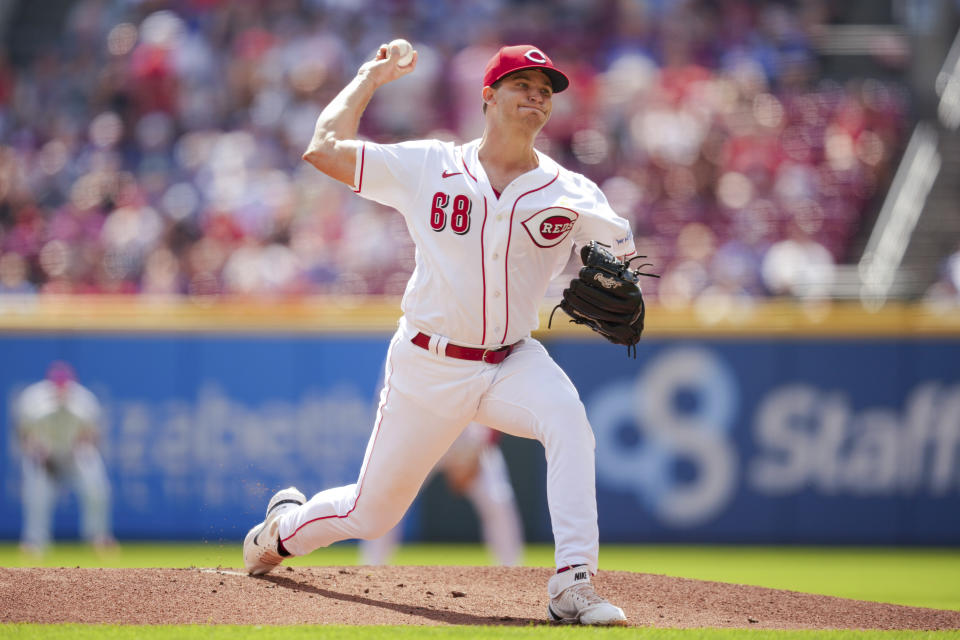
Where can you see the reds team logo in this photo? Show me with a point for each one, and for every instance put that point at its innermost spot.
(549, 227)
(535, 55)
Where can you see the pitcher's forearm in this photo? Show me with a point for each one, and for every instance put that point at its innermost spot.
(332, 149)
(340, 119)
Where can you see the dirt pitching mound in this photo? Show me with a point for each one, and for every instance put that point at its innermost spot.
(420, 596)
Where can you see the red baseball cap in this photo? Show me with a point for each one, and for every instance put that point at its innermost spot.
(523, 56)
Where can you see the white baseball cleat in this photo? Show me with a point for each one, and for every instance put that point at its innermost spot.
(260, 553)
(572, 600)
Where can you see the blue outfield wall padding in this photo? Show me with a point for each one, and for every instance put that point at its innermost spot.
(787, 440)
(784, 441)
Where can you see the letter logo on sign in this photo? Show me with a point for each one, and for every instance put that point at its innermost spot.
(549, 227)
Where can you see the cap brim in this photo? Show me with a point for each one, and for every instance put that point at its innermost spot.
(558, 81)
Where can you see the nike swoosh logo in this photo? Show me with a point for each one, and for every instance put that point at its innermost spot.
(447, 174)
(256, 538)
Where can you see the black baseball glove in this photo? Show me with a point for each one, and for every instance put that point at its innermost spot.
(605, 296)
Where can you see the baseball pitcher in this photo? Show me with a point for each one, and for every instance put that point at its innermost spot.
(493, 220)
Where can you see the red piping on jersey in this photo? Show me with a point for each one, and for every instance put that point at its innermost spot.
(386, 398)
(483, 271)
(463, 161)
(506, 256)
(363, 151)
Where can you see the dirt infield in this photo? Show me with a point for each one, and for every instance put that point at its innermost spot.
(419, 595)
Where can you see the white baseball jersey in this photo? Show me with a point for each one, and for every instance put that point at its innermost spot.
(484, 262)
(57, 420)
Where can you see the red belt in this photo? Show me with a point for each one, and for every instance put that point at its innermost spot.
(491, 356)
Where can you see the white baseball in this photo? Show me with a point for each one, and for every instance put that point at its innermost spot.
(406, 51)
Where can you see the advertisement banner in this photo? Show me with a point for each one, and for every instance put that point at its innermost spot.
(805, 440)
(786, 440)
(200, 430)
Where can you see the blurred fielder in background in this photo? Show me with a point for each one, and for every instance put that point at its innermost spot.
(474, 468)
(58, 426)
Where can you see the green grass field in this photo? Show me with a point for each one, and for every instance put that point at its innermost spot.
(915, 577)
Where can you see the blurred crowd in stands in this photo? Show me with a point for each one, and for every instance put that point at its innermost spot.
(154, 147)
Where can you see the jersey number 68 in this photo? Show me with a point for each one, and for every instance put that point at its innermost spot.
(459, 217)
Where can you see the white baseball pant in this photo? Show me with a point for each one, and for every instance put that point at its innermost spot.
(489, 491)
(86, 472)
(426, 402)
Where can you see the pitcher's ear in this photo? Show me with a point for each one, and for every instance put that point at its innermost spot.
(487, 95)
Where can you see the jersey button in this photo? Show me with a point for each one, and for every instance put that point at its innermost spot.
(495, 255)
(499, 217)
(496, 294)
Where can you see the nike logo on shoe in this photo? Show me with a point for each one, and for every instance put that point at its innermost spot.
(257, 537)
(447, 174)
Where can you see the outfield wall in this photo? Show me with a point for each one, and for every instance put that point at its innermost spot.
(770, 425)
